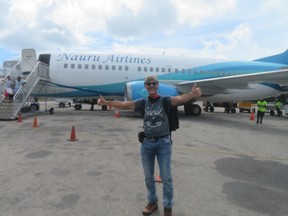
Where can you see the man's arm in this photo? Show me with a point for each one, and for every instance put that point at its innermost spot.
(181, 99)
(118, 104)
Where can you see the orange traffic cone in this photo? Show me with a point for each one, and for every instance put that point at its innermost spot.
(35, 123)
(158, 179)
(19, 118)
(252, 116)
(73, 135)
(117, 114)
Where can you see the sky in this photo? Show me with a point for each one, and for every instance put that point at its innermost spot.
(224, 29)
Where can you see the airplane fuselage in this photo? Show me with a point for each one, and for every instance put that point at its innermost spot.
(92, 74)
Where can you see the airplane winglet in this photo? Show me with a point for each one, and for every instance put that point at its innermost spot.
(281, 58)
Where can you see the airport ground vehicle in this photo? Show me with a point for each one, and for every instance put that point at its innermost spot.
(246, 106)
(271, 108)
(228, 106)
(231, 106)
(79, 101)
(62, 102)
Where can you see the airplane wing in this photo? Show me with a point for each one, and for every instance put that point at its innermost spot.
(221, 85)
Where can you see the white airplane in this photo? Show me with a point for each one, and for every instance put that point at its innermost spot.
(78, 75)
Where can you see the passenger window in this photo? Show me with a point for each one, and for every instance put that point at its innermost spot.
(145, 69)
(106, 67)
(93, 67)
(100, 67)
(126, 68)
(163, 70)
(119, 67)
(65, 65)
(157, 69)
(79, 66)
(151, 69)
(139, 69)
(72, 66)
(113, 67)
(169, 70)
(86, 66)
(183, 70)
(176, 70)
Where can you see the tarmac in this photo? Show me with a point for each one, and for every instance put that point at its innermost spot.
(222, 164)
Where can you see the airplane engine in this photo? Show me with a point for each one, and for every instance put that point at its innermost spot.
(136, 89)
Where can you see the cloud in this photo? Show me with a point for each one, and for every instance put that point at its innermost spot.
(240, 38)
(194, 12)
(151, 18)
(209, 28)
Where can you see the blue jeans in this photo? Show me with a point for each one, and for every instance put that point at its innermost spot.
(162, 150)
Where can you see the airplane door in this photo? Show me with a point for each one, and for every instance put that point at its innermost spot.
(28, 60)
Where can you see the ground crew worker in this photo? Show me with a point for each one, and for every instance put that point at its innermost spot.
(261, 104)
(278, 107)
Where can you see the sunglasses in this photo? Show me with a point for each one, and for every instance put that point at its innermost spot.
(151, 83)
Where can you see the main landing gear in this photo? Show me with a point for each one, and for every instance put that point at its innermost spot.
(192, 109)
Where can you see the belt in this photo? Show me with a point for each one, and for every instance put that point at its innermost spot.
(155, 138)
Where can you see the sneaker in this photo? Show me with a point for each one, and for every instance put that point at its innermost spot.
(150, 208)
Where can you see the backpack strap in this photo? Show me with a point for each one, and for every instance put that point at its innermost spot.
(142, 110)
(167, 110)
(165, 105)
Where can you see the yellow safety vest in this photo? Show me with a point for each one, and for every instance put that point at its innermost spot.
(262, 106)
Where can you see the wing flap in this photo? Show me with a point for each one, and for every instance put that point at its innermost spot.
(226, 84)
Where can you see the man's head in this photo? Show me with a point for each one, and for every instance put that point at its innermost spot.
(151, 84)
(18, 78)
(151, 79)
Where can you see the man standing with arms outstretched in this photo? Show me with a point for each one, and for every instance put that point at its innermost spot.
(156, 143)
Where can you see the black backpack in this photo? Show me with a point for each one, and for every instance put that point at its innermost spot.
(172, 114)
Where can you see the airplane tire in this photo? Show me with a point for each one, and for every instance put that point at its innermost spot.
(104, 107)
(34, 107)
(188, 109)
(211, 109)
(61, 105)
(78, 107)
(192, 109)
(51, 110)
(196, 110)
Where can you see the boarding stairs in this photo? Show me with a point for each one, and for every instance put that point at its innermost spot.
(10, 109)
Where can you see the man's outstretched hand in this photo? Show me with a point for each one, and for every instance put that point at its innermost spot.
(101, 101)
(196, 90)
